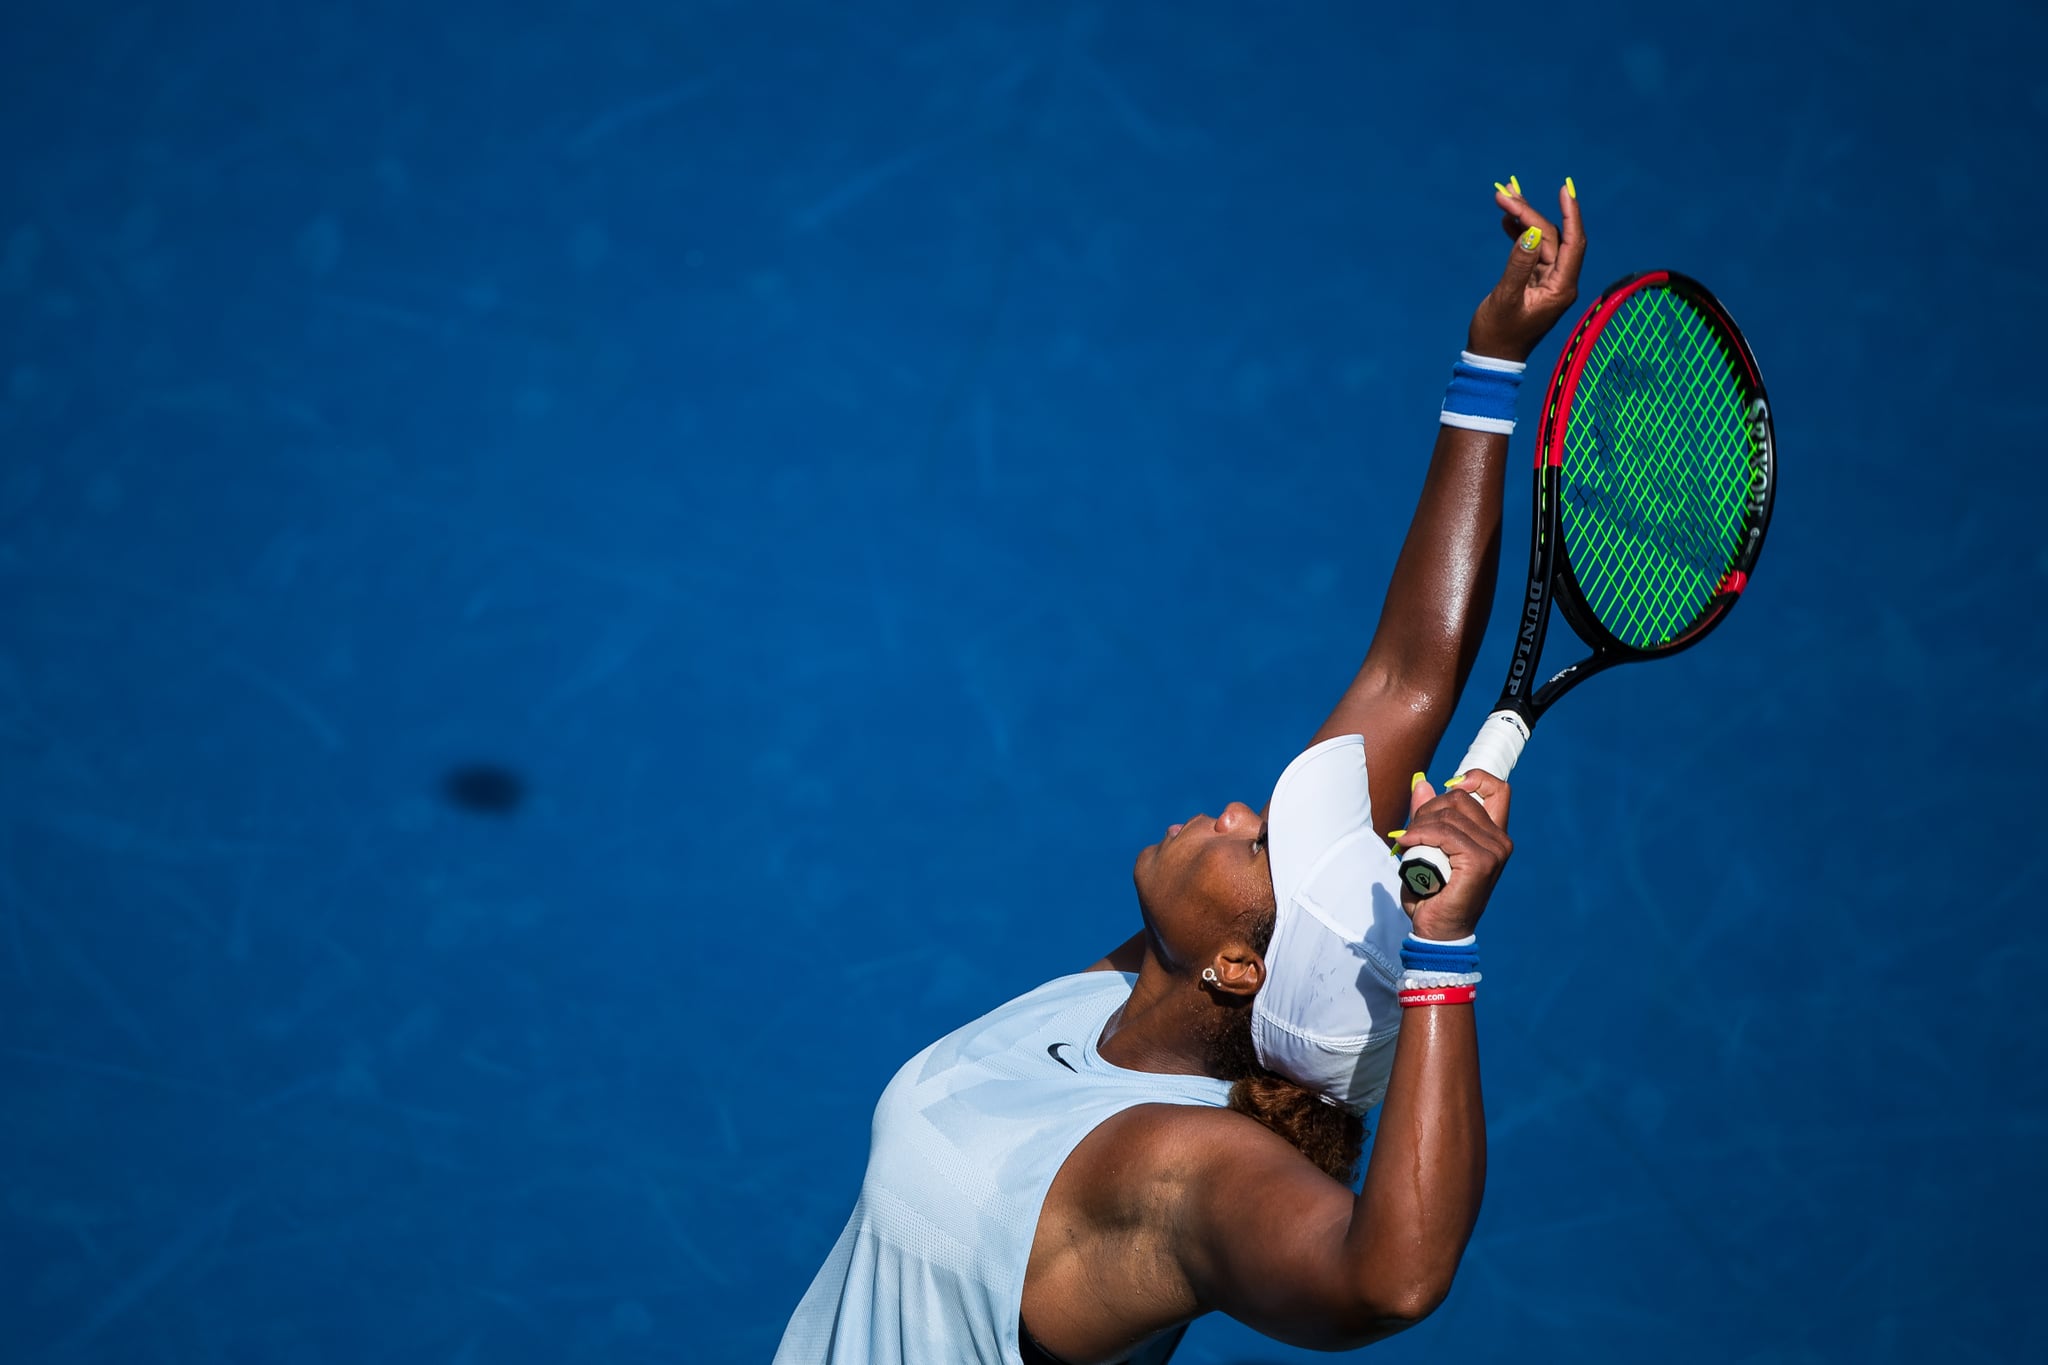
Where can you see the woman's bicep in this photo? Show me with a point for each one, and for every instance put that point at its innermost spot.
(1265, 1242)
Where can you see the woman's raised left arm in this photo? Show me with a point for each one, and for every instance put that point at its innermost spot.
(1442, 588)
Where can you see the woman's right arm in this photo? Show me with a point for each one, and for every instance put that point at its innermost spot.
(1280, 1246)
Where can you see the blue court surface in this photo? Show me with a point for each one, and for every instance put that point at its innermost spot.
(579, 581)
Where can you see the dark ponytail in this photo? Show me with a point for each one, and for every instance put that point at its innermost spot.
(1329, 1136)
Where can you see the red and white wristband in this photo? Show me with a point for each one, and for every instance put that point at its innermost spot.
(1437, 988)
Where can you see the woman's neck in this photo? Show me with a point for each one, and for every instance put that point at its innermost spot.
(1175, 1028)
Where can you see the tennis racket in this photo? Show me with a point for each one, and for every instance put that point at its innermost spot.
(1655, 473)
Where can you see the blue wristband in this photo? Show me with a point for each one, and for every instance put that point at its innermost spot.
(1481, 396)
(1419, 956)
(1454, 960)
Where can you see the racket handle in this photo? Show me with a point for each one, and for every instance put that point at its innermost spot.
(1496, 750)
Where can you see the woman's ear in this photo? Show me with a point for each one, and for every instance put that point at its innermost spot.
(1239, 971)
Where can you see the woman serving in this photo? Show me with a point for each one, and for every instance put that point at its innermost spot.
(1076, 1176)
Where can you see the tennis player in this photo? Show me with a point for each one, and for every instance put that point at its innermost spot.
(1074, 1177)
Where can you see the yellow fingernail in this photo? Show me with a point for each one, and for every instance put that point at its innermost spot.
(1531, 238)
(1393, 835)
(1502, 188)
(1515, 187)
(1454, 781)
(1570, 188)
(1414, 782)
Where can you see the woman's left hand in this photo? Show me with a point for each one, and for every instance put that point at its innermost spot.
(1541, 280)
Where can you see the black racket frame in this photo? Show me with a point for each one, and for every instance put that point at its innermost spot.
(1550, 571)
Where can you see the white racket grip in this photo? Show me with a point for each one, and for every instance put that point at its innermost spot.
(1496, 749)
(1498, 746)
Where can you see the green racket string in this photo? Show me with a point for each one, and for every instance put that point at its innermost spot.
(1656, 470)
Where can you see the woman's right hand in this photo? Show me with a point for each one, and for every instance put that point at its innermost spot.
(1473, 834)
(1541, 280)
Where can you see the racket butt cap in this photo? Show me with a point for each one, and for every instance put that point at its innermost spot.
(1425, 870)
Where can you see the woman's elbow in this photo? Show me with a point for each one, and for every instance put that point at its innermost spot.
(1417, 1301)
(1390, 1309)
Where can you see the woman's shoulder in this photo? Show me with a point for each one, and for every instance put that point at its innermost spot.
(1167, 1146)
(1145, 1177)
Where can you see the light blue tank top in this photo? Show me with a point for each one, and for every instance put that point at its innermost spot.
(967, 1139)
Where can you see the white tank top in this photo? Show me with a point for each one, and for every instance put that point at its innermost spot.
(967, 1139)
